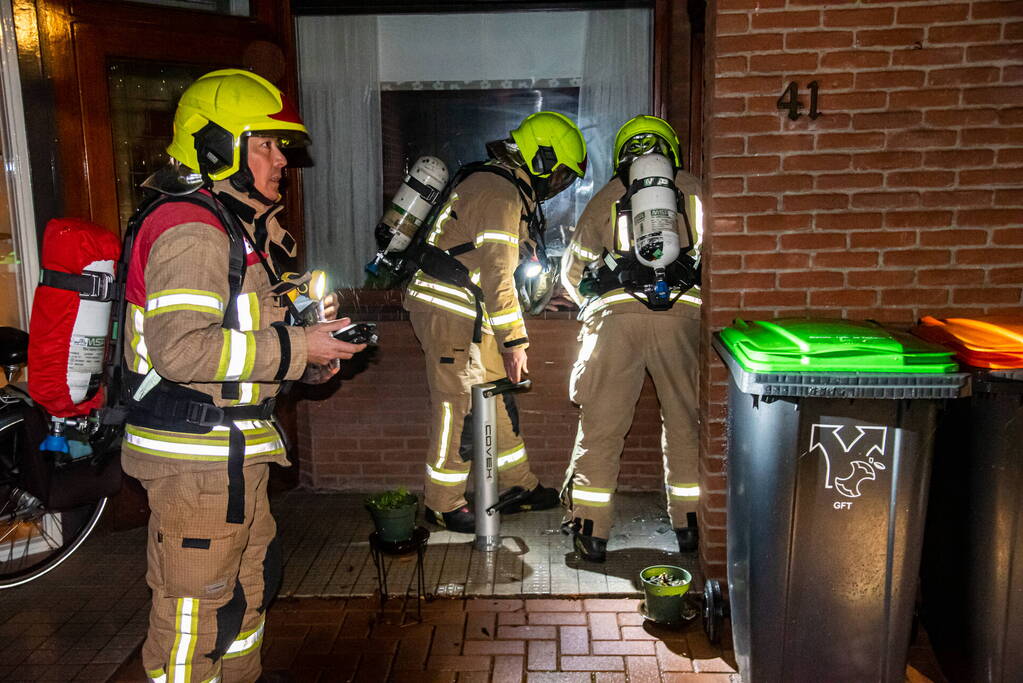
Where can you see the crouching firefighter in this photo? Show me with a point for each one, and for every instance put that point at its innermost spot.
(205, 353)
(633, 268)
(485, 231)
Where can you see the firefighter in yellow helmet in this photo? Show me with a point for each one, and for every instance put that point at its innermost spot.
(206, 350)
(491, 222)
(633, 267)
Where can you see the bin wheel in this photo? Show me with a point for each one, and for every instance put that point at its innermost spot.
(714, 610)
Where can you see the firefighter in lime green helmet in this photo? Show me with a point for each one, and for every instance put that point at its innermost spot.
(642, 135)
(489, 225)
(553, 151)
(206, 351)
(633, 267)
(218, 114)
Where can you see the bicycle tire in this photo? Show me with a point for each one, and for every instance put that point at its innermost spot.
(21, 514)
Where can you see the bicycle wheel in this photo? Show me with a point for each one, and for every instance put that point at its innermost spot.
(33, 540)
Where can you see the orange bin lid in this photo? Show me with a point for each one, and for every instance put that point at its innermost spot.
(990, 341)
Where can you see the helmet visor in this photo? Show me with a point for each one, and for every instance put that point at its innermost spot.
(559, 180)
(286, 139)
(294, 145)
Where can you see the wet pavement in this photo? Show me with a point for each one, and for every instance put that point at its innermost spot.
(492, 617)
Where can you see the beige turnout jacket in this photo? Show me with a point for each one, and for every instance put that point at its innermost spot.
(178, 295)
(486, 211)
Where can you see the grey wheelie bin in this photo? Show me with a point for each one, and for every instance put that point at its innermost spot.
(972, 571)
(830, 433)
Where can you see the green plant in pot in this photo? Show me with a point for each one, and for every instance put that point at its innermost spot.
(394, 514)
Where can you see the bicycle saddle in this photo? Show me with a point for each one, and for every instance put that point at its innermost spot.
(13, 346)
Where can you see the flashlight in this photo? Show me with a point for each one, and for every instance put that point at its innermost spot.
(533, 269)
(306, 291)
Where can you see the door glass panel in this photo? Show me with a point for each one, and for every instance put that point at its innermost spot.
(235, 7)
(10, 313)
(143, 96)
(18, 255)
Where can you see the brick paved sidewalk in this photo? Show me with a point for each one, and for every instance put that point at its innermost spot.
(476, 640)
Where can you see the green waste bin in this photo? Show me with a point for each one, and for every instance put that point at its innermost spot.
(830, 433)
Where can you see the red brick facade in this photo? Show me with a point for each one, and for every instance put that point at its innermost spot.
(901, 199)
(371, 432)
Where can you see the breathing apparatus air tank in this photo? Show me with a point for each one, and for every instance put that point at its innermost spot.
(654, 212)
(409, 207)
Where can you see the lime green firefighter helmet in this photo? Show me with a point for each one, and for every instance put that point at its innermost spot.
(219, 110)
(644, 134)
(553, 149)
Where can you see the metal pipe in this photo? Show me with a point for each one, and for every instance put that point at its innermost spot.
(484, 461)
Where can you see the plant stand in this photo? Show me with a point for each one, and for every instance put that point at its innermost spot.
(417, 544)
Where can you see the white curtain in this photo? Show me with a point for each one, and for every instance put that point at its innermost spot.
(615, 83)
(340, 84)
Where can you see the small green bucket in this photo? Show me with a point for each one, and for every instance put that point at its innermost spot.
(394, 526)
(665, 603)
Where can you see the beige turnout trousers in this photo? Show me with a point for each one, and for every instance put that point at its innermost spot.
(617, 352)
(453, 365)
(211, 581)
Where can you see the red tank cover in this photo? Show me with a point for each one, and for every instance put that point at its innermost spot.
(67, 334)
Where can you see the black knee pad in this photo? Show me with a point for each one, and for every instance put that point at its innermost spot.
(465, 445)
(273, 571)
(512, 409)
(229, 622)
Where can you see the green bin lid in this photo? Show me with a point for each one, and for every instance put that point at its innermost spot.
(830, 345)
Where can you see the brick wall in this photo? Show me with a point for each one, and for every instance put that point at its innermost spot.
(370, 431)
(903, 198)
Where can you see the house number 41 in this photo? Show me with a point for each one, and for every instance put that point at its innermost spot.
(790, 100)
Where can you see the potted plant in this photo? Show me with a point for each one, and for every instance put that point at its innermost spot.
(394, 514)
(665, 587)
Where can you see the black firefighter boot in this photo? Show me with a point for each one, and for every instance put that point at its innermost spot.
(461, 520)
(590, 548)
(517, 499)
(688, 536)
